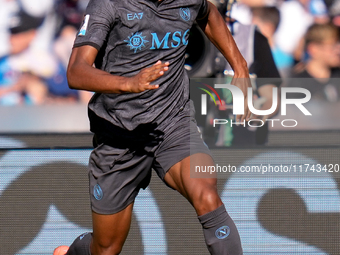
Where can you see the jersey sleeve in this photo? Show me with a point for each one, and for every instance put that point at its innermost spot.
(203, 11)
(98, 20)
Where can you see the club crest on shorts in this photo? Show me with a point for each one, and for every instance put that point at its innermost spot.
(98, 192)
(222, 232)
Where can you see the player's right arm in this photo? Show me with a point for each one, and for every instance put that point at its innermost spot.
(99, 19)
(83, 76)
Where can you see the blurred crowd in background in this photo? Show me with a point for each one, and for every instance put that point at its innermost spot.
(36, 38)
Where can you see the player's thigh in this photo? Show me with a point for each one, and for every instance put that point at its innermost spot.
(116, 174)
(111, 230)
(182, 176)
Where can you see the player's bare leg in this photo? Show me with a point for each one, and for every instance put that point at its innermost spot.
(108, 237)
(200, 192)
(219, 230)
(110, 232)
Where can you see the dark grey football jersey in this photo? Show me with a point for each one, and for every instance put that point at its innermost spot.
(134, 34)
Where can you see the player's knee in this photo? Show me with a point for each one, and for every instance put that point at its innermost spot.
(206, 200)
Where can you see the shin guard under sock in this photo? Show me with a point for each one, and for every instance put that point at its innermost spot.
(81, 246)
(220, 233)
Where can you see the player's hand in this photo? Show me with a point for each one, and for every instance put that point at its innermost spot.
(243, 84)
(142, 80)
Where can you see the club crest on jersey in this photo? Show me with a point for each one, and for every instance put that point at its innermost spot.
(185, 13)
(136, 41)
(83, 28)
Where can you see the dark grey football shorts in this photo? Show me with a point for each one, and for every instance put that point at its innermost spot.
(119, 167)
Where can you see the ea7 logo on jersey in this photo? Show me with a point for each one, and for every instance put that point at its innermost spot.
(132, 16)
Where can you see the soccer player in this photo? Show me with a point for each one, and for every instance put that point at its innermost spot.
(142, 116)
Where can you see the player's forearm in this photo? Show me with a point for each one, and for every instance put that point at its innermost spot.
(81, 76)
(218, 33)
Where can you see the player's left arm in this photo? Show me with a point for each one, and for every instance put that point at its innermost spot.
(215, 28)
